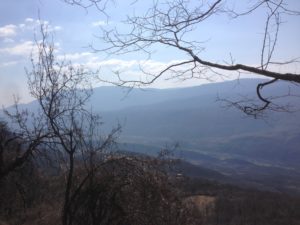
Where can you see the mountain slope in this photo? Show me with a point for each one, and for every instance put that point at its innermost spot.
(256, 151)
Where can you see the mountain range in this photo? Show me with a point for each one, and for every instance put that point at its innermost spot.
(263, 152)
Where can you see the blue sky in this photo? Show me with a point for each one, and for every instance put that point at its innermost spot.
(74, 29)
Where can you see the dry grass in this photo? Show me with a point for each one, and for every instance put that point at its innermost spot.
(202, 202)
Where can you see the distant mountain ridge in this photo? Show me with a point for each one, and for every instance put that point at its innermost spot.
(209, 135)
(264, 152)
(189, 113)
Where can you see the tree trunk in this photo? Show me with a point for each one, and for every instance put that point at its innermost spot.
(66, 219)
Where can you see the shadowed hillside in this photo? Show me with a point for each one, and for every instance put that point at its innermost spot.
(262, 152)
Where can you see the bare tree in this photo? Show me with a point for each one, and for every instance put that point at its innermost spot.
(63, 126)
(21, 144)
(171, 24)
(129, 189)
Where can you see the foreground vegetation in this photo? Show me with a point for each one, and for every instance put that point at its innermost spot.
(130, 189)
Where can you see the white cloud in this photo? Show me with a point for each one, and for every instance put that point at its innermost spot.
(22, 49)
(11, 63)
(75, 56)
(31, 23)
(93, 62)
(152, 66)
(129, 69)
(118, 63)
(29, 20)
(22, 25)
(8, 40)
(8, 30)
(57, 28)
(99, 23)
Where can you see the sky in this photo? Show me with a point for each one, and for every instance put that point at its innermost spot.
(74, 29)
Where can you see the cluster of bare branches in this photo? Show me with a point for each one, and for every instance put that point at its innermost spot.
(100, 5)
(63, 125)
(169, 24)
(131, 190)
(257, 108)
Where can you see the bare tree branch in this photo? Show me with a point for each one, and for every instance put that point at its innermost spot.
(168, 23)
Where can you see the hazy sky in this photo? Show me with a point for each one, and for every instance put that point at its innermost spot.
(74, 29)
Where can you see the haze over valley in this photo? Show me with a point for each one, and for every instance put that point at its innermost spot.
(262, 153)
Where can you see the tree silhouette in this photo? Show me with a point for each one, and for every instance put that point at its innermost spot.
(63, 126)
(171, 24)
